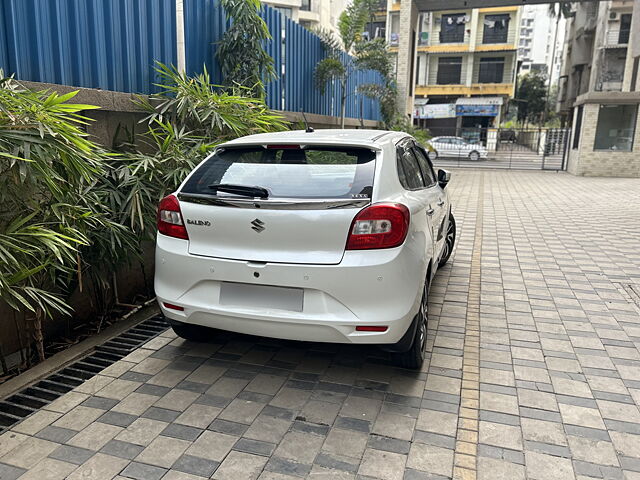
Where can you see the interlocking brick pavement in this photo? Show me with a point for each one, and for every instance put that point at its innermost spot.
(533, 370)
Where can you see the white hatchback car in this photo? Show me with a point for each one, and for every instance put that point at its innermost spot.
(327, 236)
(456, 147)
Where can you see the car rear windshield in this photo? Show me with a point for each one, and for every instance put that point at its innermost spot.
(287, 172)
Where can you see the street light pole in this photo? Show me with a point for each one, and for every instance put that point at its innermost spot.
(553, 61)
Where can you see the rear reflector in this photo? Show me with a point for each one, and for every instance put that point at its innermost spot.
(381, 225)
(372, 328)
(173, 307)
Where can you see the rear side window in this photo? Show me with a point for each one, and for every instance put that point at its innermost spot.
(408, 170)
(425, 167)
(312, 172)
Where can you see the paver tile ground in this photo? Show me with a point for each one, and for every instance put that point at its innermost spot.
(533, 369)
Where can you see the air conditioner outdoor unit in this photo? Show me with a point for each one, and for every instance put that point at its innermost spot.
(613, 15)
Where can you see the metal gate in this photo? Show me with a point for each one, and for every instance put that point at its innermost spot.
(516, 148)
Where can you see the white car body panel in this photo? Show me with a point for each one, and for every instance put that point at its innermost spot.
(322, 291)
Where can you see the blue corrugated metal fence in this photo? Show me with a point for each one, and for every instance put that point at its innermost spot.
(114, 44)
(108, 44)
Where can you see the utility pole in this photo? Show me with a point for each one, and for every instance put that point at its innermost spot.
(553, 61)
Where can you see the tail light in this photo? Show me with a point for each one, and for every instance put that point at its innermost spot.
(382, 225)
(170, 222)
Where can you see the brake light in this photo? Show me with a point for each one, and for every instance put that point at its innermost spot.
(381, 225)
(170, 222)
(284, 147)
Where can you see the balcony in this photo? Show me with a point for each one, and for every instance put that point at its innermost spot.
(474, 89)
(491, 72)
(617, 38)
(610, 81)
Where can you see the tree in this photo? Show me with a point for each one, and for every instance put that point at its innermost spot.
(531, 96)
(337, 65)
(374, 55)
(243, 59)
(351, 53)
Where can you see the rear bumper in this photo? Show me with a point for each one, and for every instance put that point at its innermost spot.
(373, 288)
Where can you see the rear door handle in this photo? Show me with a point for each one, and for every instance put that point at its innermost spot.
(441, 203)
(430, 211)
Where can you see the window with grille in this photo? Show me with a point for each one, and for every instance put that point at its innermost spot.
(449, 71)
(625, 28)
(496, 28)
(491, 70)
(452, 28)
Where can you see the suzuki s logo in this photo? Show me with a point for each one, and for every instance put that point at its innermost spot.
(258, 225)
(204, 223)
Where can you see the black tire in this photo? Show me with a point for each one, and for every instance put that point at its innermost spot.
(474, 156)
(449, 242)
(433, 155)
(414, 357)
(193, 333)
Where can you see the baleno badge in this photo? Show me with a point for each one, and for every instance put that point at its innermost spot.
(204, 223)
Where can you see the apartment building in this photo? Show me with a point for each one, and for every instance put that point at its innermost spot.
(311, 14)
(600, 88)
(466, 59)
(541, 41)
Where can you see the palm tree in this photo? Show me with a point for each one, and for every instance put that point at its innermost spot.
(337, 65)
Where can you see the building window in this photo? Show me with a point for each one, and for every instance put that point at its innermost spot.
(452, 28)
(625, 28)
(496, 28)
(305, 5)
(308, 24)
(491, 70)
(284, 11)
(576, 134)
(375, 30)
(449, 71)
(394, 37)
(423, 38)
(616, 127)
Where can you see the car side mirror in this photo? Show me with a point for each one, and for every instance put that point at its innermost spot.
(443, 178)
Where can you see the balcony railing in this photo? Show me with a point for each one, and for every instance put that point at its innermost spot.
(448, 77)
(617, 37)
(452, 37)
(610, 82)
(491, 72)
(500, 36)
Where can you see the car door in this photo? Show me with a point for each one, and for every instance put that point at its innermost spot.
(444, 147)
(439, 201)
(459, 147)
(423, 198)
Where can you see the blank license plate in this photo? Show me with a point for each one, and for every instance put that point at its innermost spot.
(261, 296)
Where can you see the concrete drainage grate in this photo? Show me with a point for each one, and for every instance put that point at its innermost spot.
(22, 404)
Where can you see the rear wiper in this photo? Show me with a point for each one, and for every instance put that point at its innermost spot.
(244, 190)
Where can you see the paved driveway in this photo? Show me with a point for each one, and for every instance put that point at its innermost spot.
(534, 369)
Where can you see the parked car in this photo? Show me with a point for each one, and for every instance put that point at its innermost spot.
(455, 147)
(327, 236)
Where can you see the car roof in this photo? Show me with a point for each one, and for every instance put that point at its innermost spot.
(366, 138)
